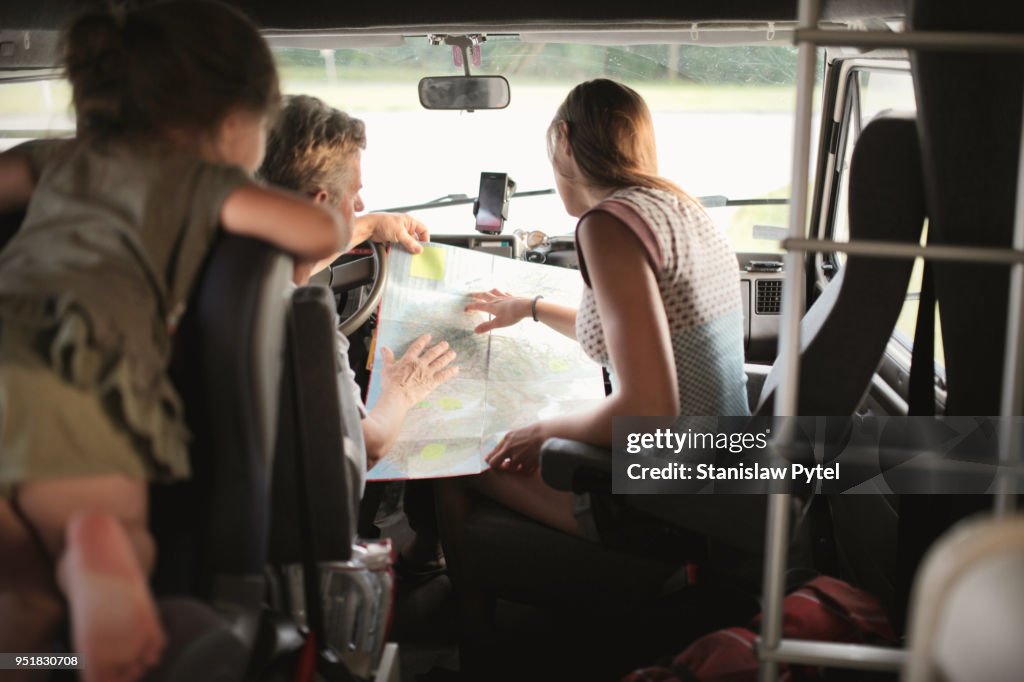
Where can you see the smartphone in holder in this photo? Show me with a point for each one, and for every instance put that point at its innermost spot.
(491, 206)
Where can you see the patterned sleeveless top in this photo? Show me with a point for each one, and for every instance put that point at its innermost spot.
(697, 274)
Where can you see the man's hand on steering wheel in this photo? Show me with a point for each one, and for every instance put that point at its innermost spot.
(393, 227)
(371, 271)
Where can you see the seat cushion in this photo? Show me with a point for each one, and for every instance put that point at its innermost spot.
(522, 560)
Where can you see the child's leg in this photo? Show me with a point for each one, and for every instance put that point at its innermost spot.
(96, 528)
(31, 608)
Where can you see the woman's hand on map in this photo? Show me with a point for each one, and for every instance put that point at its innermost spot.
(519, 450)
(505, 308)
(419, 371)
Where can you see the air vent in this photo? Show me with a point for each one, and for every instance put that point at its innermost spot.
(768, 300)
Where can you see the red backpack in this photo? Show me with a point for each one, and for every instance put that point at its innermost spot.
(823, 609)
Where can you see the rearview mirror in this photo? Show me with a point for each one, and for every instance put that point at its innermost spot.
(464, 92)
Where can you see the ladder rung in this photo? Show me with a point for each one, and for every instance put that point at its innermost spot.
(834, 654)
(935, 252)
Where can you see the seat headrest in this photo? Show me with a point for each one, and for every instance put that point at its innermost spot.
(886, 191)
(843, 335)
(227, 368)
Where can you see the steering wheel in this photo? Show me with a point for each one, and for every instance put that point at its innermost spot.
(354, 270)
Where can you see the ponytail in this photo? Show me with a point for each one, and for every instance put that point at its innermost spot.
(180, 64)
(94, 60)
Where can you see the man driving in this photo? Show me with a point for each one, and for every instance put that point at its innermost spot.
(316, 150)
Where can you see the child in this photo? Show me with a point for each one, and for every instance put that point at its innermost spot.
(172, 102)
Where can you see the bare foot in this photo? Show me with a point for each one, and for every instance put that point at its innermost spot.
(114, 622)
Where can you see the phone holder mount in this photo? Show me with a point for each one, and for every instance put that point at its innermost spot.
(510, 189)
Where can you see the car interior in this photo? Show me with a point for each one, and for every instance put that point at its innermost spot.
(888, 283)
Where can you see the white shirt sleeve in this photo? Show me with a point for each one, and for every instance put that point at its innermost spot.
(352, 414)
(352, 410)
(347, 378)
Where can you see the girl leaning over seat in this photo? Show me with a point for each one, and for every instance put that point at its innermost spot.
(172, 102)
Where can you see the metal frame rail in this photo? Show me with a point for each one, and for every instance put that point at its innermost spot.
(772, 648)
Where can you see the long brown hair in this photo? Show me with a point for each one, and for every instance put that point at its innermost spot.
(181, 64)
(611, 135)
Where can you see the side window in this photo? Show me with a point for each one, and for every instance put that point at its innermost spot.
(31, 109)
(870, 91)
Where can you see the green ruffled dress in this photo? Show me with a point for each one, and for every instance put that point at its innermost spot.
(90, 288)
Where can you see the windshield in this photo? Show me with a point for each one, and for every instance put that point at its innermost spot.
(723, 120)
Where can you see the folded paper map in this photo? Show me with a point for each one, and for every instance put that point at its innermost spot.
(507, 378)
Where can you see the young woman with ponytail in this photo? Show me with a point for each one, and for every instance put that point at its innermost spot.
(661, 309)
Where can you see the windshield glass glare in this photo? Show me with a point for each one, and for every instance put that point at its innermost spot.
(723, 120)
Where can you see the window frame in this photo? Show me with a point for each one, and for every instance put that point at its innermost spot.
(842, 97)
(845, 109)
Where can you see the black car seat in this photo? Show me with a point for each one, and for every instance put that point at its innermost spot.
(844, 333)
(569, 608)
(852, 320)
(311, 463)
(211, 531)
(315, 494)
(9, 224)
(258, 370)
(843, 337)
(969, 123)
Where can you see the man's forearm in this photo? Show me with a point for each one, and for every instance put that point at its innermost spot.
(362, 230)
(382, 424)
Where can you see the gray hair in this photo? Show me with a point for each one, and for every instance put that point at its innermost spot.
(309, 146)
